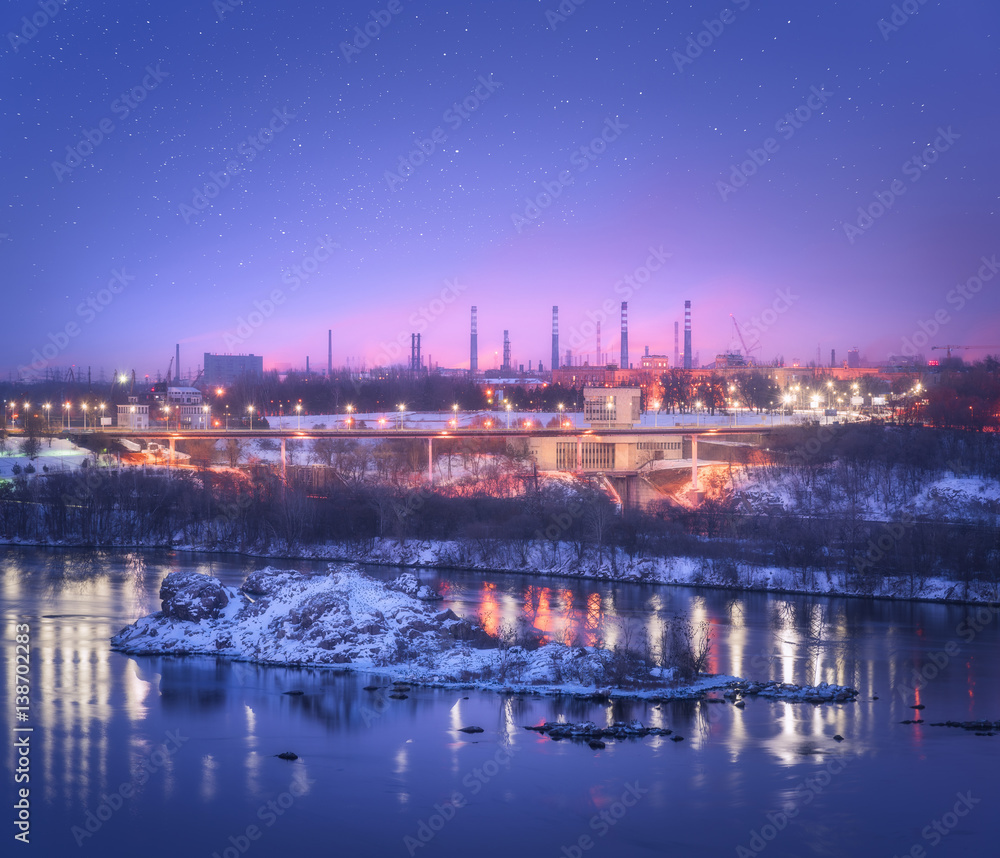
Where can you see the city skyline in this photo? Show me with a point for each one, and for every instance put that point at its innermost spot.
(174, 174)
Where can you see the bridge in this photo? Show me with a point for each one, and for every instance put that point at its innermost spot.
(579, 436)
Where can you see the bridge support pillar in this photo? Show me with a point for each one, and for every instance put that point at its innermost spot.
(694, 463)
(170, 461)
(284, 468)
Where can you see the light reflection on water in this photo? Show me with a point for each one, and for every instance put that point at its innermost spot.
(99, 715)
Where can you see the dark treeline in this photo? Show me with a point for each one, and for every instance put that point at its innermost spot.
(852, 516)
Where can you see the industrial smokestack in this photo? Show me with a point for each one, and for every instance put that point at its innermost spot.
(474, 345)
(329, 354)
(506, 351)
(555, 336)
(307, 364)
(420, 360)
(677, 345)
(413, 352)
(687, 335)
(177, 365)
(624, 350)
(833, 357)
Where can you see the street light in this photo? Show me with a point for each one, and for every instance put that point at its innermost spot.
(350, 420)
(454, 409)
(402, 408)
(507, 406)
(250, 409)
(102, 414)
(298, 413)
(207, 420)
(84, 407)
(48, 416)
(66, 409)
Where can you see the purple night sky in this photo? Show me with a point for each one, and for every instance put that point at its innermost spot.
(305, 139)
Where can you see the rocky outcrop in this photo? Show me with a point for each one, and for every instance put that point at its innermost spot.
(192, 597)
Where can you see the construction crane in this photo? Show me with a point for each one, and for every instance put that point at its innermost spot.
(739, 333)
(947, 349)
(169, 367)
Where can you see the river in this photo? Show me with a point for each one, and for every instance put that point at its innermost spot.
(176, 756)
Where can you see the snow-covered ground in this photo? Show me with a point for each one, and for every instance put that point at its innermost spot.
(56, 454)
(347, 619)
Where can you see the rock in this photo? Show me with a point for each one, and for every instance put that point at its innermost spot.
(287, 755)
(905, 722)
(874, 697)
(918, 706)
(676, 738)
(408, 583)
(192, 597)
(739, 704)
(470, 729)
(596, 744)
(266, 582)
(294, 693)
(374, 687)
(398, 696)
(838, 738)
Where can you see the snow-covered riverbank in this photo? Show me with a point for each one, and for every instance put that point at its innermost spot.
(347, 620)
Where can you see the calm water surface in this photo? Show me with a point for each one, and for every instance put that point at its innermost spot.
(170, 757)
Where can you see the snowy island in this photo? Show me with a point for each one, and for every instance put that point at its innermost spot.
(348, 620)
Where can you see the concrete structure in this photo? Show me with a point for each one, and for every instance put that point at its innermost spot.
(505, 367)
(623, 362)
(133, 415)
(657, 363)
(853, 359)
(555, 337)
(594, 454)
(224, 370)
(612, 407)
(687, 335)
(192, 417)
(474, 345)
(183, 396)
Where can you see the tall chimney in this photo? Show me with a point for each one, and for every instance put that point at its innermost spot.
(413, 352)
(329, 353)
(624, 350)
(506, 352)
(177, 365)
(687, 335)
(833, 357)
(307, 364)
(677, 346)
(474, 345)
(420, 360)
(555, 337)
